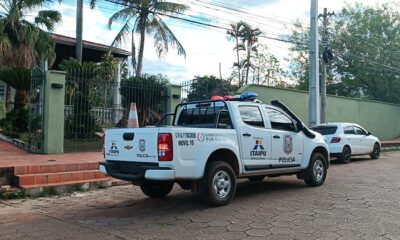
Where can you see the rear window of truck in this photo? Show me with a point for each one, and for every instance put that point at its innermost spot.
(325, 130)
(202, 115)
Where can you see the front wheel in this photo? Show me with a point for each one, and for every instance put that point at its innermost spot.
(315, 174)
(156, 189)
(376, 151)
(220, 183)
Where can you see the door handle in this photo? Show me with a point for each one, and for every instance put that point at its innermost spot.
(277, 137)
(246, 135)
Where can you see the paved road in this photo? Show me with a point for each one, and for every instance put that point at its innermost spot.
(359, 201)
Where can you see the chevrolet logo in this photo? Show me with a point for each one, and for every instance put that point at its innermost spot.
(128, 147)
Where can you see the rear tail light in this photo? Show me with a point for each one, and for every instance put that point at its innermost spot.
(165, 147)
(103, 142)
(335, 139)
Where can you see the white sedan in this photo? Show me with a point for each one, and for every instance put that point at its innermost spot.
(349, 139)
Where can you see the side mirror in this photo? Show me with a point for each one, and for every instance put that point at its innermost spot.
(369, 133)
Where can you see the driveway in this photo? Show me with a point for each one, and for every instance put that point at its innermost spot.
(358, 201)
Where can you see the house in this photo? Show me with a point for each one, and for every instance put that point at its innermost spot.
(65, 49)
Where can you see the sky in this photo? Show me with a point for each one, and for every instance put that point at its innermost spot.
(206, 48)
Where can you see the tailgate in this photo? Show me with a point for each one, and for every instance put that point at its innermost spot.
(131, 144)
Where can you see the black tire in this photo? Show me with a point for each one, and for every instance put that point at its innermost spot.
(345, 156)
(220, 183)
(315, 174)
(376, 151)
(156, 189)
(256, 178)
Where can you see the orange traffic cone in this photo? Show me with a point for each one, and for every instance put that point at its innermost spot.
(133, 117)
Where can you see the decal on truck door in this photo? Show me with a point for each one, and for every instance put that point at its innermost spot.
(258, 150)
(288, 144)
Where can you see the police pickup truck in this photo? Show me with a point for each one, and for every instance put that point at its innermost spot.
(212, 143)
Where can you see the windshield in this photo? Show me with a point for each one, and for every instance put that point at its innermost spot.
(325, 130)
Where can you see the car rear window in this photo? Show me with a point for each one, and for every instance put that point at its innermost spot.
(325, 130)
(202, 115)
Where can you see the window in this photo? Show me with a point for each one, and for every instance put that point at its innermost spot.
(359, 131)
(202, 115)
(325, 130)
(251, 115)
(348, 130)
(279, 120)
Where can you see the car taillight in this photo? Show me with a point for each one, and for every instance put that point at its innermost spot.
(335, 139)
(103, 142)
(165, 149)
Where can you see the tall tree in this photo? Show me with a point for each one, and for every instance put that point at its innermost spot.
(266, 68)
(234, 34)
(144, 17)
(24, 44)
(365, 42)
(249, 37)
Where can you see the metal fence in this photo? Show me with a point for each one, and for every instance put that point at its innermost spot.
(93, 102)
(35, 103)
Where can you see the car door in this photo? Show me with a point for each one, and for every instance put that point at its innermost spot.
(366, 144)
(287, 143)
(254, 139)
(353, 139)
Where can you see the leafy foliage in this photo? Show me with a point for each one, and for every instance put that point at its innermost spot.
(18, 78)
(23, 43)
(144, 17)
(365, 41)
(149, 93)
(204, 87)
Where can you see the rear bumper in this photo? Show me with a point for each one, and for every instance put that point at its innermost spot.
(136, 171)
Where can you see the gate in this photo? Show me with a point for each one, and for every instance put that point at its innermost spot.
(35, 103)
(94, 101)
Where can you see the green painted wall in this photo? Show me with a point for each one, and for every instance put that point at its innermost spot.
(53, 126)
(382, 119)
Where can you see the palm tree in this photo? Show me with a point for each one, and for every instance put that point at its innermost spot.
(144, 17)
(249, 37)
(235, 34)
(24, 44)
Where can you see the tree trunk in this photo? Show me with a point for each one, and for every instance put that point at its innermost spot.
(238, 60)
(8, 98)
(141, 47)
(248, 63)
(20, 99)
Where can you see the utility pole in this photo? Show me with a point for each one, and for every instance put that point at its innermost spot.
(79, 23)
(325, 60)
(313, 100)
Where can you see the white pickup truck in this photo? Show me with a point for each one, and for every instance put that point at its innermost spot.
(212, 143)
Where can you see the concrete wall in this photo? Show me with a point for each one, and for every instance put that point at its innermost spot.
(382, 119)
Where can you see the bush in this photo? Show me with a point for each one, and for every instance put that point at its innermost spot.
(15, 122)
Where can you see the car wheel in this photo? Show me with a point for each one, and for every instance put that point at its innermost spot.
(376, 151)
(156, 189)
(256, 178)
(220, 183)
(345, 156)
(315, 174)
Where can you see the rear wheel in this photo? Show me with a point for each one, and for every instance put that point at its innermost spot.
(376, 151)
(256, 178)
(315, 174)
(156, 189)
(345, 156)
(220, 183)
